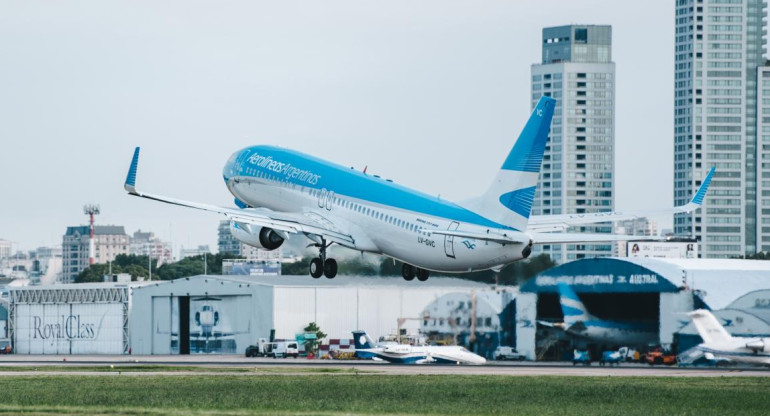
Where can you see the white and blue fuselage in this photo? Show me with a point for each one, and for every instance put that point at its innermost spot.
(386, 218)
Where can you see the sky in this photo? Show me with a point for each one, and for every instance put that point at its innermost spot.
(431, 94)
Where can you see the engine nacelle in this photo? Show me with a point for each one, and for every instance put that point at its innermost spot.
(259, 237)
(760, 345)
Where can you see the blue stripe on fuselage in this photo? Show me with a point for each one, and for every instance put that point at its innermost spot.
(349, 182)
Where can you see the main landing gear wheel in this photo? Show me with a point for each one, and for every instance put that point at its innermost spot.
(407, 271)
(320, 265)
(330, 268)
(422, 275)
(316, 268)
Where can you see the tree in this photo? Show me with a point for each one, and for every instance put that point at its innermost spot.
(311, 345)
(298, 268)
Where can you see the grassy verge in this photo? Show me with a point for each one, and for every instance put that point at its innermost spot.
(350, 394)
(141, 368)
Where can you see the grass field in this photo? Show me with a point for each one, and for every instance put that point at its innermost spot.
(383, 394)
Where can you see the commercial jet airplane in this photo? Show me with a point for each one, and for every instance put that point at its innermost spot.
(720, 345)
(579, 322)
(280, 192)
(410, 354)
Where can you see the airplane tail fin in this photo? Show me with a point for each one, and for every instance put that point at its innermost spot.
(508, 200)
(708, 327)
(362, 340)
(573, 309)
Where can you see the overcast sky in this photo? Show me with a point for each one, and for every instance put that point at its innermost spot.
(429, 93)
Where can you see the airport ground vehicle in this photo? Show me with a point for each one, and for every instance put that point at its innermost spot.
(610, 358)
(282, 349)
(629, 354)
(5, 347)
(658, 356)
(581, 357)
(507, 353)
(258, 349)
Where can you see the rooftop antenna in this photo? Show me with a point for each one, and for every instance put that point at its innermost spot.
(91, 210)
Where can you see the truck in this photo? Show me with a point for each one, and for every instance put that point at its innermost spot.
(275, 349)
(282, 349)
(258, 349)
(611, 357)
(507, 353)
(581, 357)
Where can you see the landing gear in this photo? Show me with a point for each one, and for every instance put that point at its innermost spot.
(422, 275)
(316, 268)
(321, 265)
(409, 272)
(330, 268)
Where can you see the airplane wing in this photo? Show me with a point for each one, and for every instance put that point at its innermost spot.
(545, 223)
(307, 223)
(557, 238)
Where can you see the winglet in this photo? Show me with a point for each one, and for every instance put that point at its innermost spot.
(697, 199)
(130, 185)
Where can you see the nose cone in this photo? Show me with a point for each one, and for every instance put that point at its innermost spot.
(233, 166)
(479, 360)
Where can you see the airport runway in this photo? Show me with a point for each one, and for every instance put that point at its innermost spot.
(126, 365)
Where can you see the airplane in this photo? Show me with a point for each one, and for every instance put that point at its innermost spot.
(718, 344)
(280, 192)
(579, 322)
(408, 354)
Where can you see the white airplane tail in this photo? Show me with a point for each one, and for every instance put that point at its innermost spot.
(708, 327)
(508, 200)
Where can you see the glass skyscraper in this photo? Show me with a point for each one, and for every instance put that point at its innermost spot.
(719, 46)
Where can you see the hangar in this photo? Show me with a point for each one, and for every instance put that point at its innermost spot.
(225, 314)
(84, 318)
(652, 290)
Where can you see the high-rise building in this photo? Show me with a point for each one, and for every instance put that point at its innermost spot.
(6, 248)
(578, 171)
(109, 241)
(146, 244)
(763, 158)
(719, 45)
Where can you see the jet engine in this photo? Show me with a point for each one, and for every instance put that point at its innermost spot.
(760, 345)
(259, 237)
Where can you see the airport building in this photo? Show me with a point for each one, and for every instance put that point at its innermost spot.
(85, 318)
(226, 314)
(718, 50)
(578, 170)
(110, 240)
(658, 291)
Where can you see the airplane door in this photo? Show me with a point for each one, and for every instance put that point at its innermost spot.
(449, 240)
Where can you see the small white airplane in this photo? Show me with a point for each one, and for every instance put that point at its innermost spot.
(409, 354)
(579, 322)
(718, 344)
(280, 192)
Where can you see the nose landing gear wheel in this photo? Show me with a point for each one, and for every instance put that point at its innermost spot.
(316, 268)
(407, 271)
(330, 268)
(422, 275)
